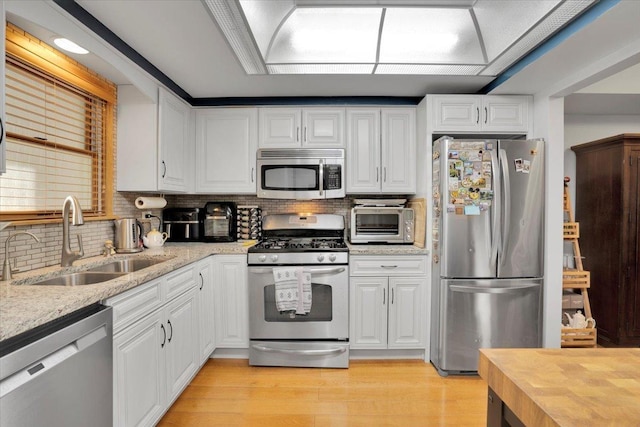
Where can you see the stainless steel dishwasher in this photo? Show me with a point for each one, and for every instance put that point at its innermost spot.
(60, 374)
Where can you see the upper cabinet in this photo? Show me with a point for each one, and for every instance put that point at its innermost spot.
(481, 113)
(155, 142)
(381, 151)
(296, 128)
(174, 142)
(226, 144)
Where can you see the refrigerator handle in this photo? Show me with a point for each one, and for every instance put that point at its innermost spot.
(495, 209)
(506, 203)
(489, 290)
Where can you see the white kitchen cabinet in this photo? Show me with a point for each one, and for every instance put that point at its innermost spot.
(381, 151)
(155, 142)
(296, 128)
(481, 113)
(175, 144)
(206, 302)
(226, 144)
(387, 302)
(155, 346)
(231, 301)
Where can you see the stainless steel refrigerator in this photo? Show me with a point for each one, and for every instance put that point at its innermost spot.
(488, 240)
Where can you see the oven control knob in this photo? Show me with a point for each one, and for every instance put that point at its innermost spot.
(332, 257)
(320, 258)
(274, 258)
(262, 258)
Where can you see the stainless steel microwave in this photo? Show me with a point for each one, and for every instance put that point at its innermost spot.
(301, 173)
(371, 224)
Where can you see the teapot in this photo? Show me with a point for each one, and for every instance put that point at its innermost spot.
(154, 239)
(578, 321)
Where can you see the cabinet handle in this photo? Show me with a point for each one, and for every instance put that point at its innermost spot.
(164, 333)
(377, 174)
(384, 170)
(384, 296)
(201, 281)
(305, 134)
(1, 131)
(392, 294)
(171, 326)
(486, 115)
(164, 169)
(298, 134)
(389, 266)
(253, 174)
(477, 115)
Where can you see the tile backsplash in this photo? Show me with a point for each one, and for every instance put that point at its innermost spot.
(29, 255)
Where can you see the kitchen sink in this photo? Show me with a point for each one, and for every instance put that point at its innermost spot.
(128, 265)
(80, 278)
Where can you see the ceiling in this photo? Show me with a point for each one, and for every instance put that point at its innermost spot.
(182, 40)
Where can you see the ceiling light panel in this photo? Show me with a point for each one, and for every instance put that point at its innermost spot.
(429, 69)
(320, 68)
(338, 35)
(429, 35)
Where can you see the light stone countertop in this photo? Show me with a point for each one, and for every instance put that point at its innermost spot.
(384, 249)
(23, 307)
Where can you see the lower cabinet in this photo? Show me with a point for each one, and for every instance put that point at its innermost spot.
(387, 311)
(205, 297)
(156, 348)
(231, 301)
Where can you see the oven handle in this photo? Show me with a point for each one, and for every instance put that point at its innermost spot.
(306, 270)
(321, 352)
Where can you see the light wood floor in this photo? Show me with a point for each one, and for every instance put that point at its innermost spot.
(370, 393)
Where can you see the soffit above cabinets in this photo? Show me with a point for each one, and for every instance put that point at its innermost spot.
(422, 37)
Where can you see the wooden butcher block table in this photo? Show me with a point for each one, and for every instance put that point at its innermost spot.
(562, 387)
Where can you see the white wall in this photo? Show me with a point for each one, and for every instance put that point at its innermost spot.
(579, 129)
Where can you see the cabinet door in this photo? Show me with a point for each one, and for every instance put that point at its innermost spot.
(363, 151)
(406, 314)
(280, 128)
(398, 151)
(231, 301)
(368, 312)
(323, 128)
(505, 113)
(182, 343)
(226, 144)
(173, 141)
(456, 113)
(205, 297)
(139, 373)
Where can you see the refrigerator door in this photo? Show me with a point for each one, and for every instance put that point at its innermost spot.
(468, 233)
(486, 314)
(522, 208)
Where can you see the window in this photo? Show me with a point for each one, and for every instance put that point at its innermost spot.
(59, 133)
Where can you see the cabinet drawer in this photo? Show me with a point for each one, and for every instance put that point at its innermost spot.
(136, 303)
(393, 265)
(180, 281)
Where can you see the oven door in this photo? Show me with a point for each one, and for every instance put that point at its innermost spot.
(377, 225)
(329, 315)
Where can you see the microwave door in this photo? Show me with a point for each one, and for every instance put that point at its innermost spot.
(292, 179)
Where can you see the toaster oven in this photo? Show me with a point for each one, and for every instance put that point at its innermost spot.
(386, 224)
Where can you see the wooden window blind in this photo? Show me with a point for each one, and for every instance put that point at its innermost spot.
(59, 138)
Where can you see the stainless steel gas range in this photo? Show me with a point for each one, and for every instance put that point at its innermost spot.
(299, 292)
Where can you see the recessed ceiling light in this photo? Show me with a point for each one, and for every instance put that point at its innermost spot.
(70, 46)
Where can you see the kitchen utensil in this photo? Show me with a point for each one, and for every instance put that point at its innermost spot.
(127, 235)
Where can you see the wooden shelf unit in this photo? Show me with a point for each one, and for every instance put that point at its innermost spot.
(576, 279)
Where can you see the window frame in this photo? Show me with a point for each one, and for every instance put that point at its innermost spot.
(27, 49)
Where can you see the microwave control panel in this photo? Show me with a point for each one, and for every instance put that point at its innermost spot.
(332, 177)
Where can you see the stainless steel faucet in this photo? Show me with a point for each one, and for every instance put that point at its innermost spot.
(68, 256)
(6, 269)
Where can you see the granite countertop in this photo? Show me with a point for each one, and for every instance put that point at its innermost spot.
(23, 307)
(384, 249)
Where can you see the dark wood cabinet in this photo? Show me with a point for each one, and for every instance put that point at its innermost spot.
(608, 210)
